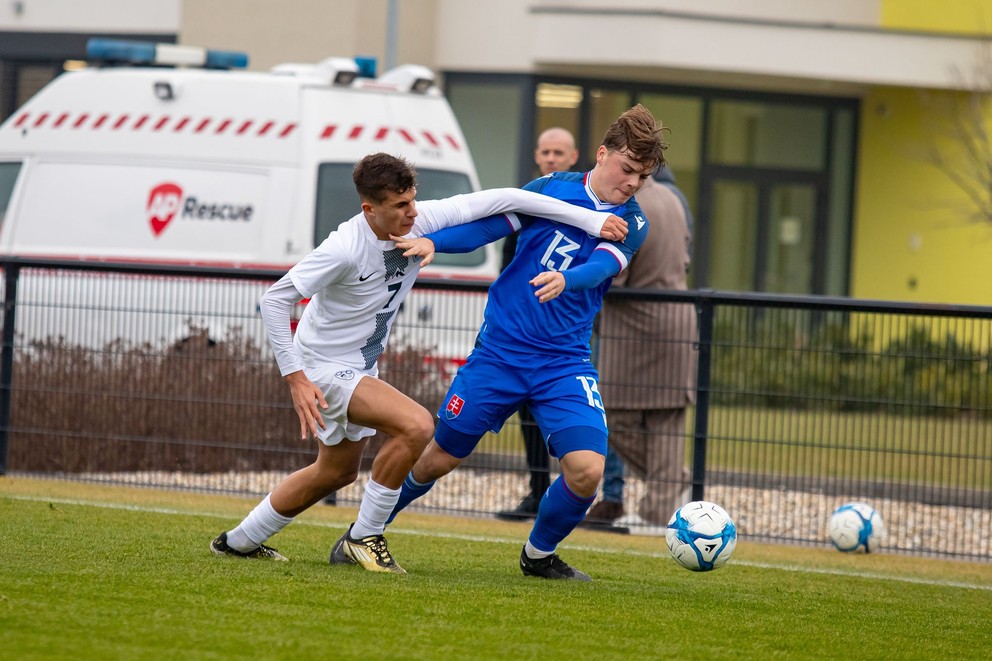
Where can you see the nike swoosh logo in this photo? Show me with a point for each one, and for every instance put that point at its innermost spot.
(363, 278)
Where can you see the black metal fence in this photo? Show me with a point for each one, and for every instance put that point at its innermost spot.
(152, 376)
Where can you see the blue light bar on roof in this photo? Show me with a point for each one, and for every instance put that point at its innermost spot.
(366, 66)
(146, 52)
(113, 50)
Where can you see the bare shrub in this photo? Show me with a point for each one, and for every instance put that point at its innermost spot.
(196, 406)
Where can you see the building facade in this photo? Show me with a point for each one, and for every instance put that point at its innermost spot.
(814, 140)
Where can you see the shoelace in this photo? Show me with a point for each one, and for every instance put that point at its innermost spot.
(265, 550)
(378, 546)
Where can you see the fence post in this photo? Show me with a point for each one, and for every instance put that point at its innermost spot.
(704, 306)
(11, 274)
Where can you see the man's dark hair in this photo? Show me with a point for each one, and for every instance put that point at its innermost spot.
(638, 134)
(377, 175)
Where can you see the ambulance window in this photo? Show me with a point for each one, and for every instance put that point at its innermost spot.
(8, 175)
(438, 184)
(337, 201)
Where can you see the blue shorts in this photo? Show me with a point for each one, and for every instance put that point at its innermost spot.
(562, 392)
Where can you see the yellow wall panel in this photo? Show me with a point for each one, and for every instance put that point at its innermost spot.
(960, 16)
(916, 237)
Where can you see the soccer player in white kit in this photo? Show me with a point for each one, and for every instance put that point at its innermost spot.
(356, 280)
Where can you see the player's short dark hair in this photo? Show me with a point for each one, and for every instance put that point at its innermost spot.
(379, 174)
(638, 134)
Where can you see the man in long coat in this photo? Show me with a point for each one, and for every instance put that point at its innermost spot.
(647, 358)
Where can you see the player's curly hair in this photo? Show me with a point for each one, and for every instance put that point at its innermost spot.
(379, 174)
(638, 134)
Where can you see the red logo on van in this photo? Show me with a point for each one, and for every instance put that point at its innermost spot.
(163, 203)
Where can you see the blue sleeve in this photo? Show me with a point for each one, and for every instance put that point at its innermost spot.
(610, 257)
(469, 236)
(601, 265)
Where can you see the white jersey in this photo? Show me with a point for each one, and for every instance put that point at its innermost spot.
(357, 282)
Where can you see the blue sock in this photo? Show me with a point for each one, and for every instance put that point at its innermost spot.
(410, 491)
(560, 511)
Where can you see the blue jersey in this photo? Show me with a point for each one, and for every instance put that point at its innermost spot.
(515, 320)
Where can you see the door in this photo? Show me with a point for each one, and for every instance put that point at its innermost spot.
(760, 235)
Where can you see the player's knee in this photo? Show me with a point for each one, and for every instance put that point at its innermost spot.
(420, 428)
(332, 478)
(583, 478)
(434, 463)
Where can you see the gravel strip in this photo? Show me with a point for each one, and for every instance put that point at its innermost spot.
(760, 514)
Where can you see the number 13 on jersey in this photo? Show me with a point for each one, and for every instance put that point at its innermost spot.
(592, 392)
(558, 256)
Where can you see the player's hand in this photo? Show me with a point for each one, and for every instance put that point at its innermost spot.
(306, 399)
(422, 247)
(614, 229)
(549, 285)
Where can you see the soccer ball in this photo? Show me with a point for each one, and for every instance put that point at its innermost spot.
(701, 536)
(856, 527)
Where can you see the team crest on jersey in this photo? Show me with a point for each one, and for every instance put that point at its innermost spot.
(347, 375)
(454, 407)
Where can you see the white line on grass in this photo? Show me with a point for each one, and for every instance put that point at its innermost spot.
(503, 540)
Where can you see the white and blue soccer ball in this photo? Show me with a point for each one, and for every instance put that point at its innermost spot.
(856, 527)
(701, 536)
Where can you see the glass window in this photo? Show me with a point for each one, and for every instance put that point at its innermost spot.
(557, 105)
(747, 133)
(337, 201)
(683, 115)
(839, 207)
(604, 108)
(734, 235)
(490, 120)
(789, 240)
(8, 176)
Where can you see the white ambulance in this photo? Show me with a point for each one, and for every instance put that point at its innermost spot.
(163, 154)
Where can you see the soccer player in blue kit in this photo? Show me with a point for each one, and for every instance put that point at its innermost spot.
(533, 347)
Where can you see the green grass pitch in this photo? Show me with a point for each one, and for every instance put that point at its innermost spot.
(96, 572)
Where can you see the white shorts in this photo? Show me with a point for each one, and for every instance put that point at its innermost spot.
(338, 383)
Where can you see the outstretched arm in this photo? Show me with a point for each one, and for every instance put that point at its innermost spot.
(438, 214)
(458, 238)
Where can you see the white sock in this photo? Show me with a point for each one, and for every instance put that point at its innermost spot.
(377, 504)
(534, 553)
(260, 524)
